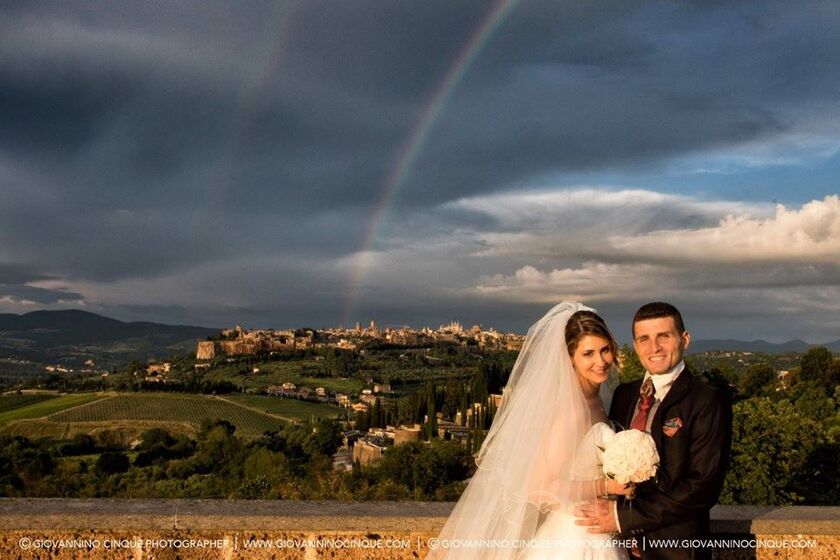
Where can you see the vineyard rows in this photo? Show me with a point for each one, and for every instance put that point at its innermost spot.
(11, 402)
(46, 407)
(171, 408)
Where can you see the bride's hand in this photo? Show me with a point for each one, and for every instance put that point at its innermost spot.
(616, 488)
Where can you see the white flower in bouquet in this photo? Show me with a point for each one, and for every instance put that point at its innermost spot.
(630, 457)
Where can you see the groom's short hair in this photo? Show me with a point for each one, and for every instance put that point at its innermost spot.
(656, 310)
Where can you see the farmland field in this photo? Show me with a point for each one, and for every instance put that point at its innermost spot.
(329, 383)
(292, 409)
(279, 372)
(47, 407)
(127, 430)
(11, 402)
(163, 407)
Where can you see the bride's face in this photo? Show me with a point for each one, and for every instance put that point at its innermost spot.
(592, 359)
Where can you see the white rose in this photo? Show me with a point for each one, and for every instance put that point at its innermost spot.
(630, 456)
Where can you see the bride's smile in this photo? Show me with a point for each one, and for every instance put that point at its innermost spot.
(592, 358)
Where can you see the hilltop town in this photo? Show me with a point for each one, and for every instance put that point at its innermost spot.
(238, 341)
(369, 410)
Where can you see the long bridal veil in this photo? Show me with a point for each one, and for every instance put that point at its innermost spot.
(526, 463)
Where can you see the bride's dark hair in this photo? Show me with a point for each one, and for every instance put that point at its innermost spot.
(583, 323)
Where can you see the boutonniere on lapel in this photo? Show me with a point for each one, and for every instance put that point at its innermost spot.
(672, 426)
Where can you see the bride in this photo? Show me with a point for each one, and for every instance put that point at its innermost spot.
(541, 457)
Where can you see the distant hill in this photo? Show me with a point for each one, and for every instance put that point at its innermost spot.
(74, 336)
(698, 346)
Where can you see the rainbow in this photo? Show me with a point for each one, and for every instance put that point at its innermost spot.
(413, 146)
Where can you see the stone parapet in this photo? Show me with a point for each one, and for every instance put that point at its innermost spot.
(260, 529)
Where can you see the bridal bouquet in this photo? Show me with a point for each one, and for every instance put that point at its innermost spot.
(630, 457)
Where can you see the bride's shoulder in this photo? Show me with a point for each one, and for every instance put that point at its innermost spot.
(602, 430)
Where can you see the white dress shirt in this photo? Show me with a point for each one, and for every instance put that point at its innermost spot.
(661, 385)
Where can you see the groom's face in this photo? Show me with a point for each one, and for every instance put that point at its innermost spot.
(659, 346)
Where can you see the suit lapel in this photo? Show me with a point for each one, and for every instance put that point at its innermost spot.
(679, 389)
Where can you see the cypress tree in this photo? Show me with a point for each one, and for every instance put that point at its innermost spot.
(431, 411)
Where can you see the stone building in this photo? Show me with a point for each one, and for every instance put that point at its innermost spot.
(158, 368)
(404, 434)
(206, 350)
(369, 451)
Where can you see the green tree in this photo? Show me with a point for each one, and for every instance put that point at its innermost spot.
(723, 378)
(631, 366)
(450, 397)
(262, 471)
(811, 401)
(261, 462)
(425, 467)
(431, 411)
(760, 379)
(478, 388)
(254, 488)
(23, 465)
(377, 415)
(324, 439)
(391, 491)
(771, 444)
(819, 480)
(153, 437)
(111, 462)
(80, 444)
(362, 420)
(834, 374)
(217, 447)
(110, 440)
(478, 438)
(158, 446)
(816, 366)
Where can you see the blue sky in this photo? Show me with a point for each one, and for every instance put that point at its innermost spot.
(786, 183)
(215, 162)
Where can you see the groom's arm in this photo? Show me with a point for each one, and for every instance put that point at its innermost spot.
(666, 502)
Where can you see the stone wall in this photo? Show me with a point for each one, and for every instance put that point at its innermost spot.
(206, 350)
(217, 529)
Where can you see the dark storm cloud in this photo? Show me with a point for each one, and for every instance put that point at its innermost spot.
(320, 97)
(147, 140)
(15, 279)
(15, 273)
(34, 295)
(696, 79)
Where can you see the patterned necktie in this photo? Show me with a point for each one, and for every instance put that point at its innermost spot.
(645, 402)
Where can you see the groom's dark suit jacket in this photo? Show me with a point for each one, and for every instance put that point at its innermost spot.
(676, 504)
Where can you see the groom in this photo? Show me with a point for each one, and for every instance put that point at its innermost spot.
(691, 424)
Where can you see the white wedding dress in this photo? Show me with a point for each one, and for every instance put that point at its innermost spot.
(541, 452)
(557, 536)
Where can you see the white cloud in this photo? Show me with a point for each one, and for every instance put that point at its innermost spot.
(591, 282)
(810, 235)
(579, 222)
(551, 209)
(12, 302)
(733, 249)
